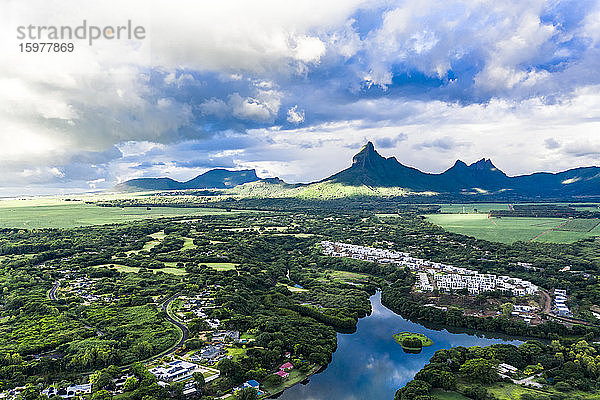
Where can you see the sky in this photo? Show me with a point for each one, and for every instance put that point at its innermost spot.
(295, 88)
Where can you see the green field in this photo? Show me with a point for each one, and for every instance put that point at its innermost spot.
(472, 208)
(510, 229)
(58, 213)
(579, 225)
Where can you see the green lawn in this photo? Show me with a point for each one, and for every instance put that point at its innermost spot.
(347, 276)
(508, 229)
(294, 377)
(224, 266)
(236, 352)
(439, 394)
(510, 391)
(188, 243)
(58, 213)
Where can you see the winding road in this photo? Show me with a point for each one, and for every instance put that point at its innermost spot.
(52, 292)
(185, 333)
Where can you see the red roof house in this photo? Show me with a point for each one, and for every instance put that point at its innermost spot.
(286, 367)
(282, 374)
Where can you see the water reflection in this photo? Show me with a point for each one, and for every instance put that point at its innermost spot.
(369, 364)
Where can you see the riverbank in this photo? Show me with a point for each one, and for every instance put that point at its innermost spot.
(294, 378)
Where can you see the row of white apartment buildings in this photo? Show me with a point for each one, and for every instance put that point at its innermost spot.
(432, 275)
(560, 306)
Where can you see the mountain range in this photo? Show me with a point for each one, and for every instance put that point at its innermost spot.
(214, 179)
(372, 174)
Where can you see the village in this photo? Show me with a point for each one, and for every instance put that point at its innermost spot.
(432, 275)
(180, 364)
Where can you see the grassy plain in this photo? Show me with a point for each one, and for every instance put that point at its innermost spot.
(58, 213)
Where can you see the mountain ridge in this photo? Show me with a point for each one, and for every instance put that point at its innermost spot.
(218, 178)
(388, 177)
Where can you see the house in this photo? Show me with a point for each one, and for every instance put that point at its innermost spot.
(50, 391)
(288, 366)
(506, 369)
(76, 390)
(252, 383)
(221, 336)
(249, 384)
(174, 371)
(282, 374)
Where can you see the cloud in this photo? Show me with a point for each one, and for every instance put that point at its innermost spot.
(389, 142)
(551, 144)
(445, 143)
(295, 116)
(584, 148)
(262, 108)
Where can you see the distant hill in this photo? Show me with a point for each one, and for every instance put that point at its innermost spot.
(213, 179)
(373, 175)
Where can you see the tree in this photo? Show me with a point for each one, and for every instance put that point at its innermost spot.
(246, 394)
(199, 380)
(479, 370)
(142, 349)
(130, 384)
(412, 342)
(507, 309)
(102, 395)
(415, 389)
(29, 393)
(476, 392)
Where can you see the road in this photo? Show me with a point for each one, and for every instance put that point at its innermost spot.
(529, 381)
(548, 302)
(184, 330)
(52, 292)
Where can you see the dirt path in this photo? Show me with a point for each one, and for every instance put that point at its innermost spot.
(547, 303)
(546, 231)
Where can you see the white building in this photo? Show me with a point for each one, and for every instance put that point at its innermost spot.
(175, 371)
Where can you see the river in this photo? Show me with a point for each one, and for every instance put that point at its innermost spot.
(370, 365)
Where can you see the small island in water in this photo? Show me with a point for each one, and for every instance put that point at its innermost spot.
(412, 342)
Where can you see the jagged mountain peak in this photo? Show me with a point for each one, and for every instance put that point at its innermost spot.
(484, 163)
(366, 153)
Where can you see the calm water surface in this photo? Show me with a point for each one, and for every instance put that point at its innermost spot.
(370, 365)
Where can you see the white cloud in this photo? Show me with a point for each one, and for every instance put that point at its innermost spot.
(241, 62)
(263, 107)
(295, 116)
